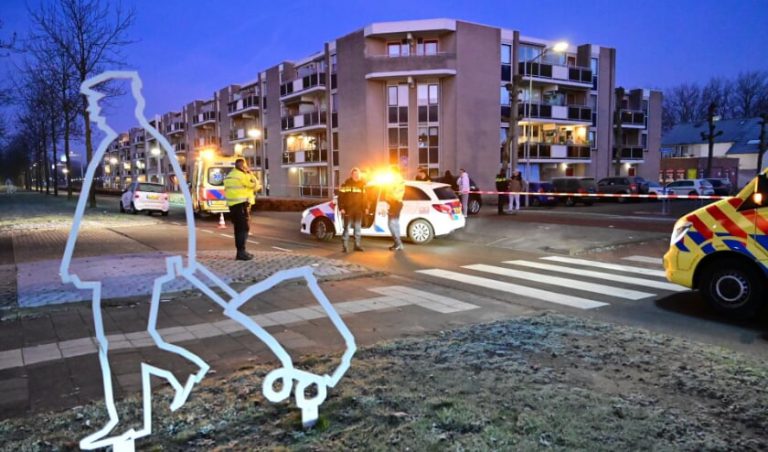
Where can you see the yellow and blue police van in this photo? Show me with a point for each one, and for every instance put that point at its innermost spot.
(722, 250)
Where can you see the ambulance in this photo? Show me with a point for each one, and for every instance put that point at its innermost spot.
(722, 250)
(207, 183)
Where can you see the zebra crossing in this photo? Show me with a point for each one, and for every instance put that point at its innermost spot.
(562, 280)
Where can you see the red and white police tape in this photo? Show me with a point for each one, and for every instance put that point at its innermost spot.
(602, 195)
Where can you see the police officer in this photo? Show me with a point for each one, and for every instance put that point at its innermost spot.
(501, 185)
(239, 187)
(352, 207)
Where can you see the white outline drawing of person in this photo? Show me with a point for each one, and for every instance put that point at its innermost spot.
(194, 273)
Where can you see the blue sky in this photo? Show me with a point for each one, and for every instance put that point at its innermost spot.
(188, 49)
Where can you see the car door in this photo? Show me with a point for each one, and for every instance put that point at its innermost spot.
(127, 196)
(372, 206)
(754, 219)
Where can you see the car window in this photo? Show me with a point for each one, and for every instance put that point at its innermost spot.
(151, 188)
(445, 193)
(705, 183)
(216, 175)
(415, 194)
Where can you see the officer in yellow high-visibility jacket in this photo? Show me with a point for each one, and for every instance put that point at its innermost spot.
(240, 187)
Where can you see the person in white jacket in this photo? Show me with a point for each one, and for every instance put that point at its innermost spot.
(463, 183)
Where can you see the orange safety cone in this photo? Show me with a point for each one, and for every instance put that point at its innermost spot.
(222, 225)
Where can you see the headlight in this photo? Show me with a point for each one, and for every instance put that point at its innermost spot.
(681, 228)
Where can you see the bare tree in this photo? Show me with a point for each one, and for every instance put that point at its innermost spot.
(7, 44)
(718, 91)
(749, 89)
(90, 35)
(684, 102)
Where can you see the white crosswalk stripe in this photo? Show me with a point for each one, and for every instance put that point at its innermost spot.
(539, 294)
(607, 266)
(644, 259)
(563, 282)
(600, 275)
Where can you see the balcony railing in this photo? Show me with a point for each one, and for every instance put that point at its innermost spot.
(578, 113)
(207, 141)
(540, 151)
(299, 157)
(180, 147)
(573, 74)
(632, 153)
(633, 118)
(314, 191)
(318, 118)
(245, 104)
(176, 127)
(302, 84)
(204, 117)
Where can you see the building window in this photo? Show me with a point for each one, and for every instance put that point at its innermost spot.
(506, 62)
(528, 52)
(504, 96)
(398, 49)
(429, 140)
(398, 146)
(428, 99)
(397, 104)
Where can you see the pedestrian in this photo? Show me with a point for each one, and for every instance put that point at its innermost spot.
(422, 175)
(502, 183)
(352, 207)
(394, 198)
(450, 179)
(463, 187)
(516, 186)
(240, 187)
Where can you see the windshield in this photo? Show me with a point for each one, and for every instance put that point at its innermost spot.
(151, 188)
(216, 175)
(444, 193)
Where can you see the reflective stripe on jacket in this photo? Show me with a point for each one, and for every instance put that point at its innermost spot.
(352, 196)
(239, 187)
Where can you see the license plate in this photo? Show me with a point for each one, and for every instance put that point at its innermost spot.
(457, 210)
(153, 197)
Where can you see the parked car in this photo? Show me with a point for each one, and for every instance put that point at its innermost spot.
(145, 197)
(623, 185)
(430, 209)
(722, 186)
(583, 185)
(656, 189)
(475, 200)
(700, 187)
(540, 200)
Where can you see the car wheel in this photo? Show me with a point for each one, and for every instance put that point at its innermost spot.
(164, 213)
(569, 201)
(420, 232)
(693, 193)
(322, 229)
(732, 288)
(474, 206)
(133, 208)
(149, 213)
(622, 200)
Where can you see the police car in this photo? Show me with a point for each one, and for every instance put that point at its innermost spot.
(722, 250)
(430, 209)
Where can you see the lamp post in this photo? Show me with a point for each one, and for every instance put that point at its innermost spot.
(559, 47)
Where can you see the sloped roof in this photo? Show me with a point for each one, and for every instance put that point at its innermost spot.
(743, 133)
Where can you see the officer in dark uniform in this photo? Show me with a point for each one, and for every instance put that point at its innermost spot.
(352, 207)
(501, 185)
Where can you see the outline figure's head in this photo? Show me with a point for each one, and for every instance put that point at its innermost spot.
(89, 88)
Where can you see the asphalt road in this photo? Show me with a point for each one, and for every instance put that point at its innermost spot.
(519, 259)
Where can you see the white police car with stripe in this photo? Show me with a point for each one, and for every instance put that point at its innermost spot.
(430, 210)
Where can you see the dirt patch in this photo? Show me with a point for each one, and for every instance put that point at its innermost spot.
(547, 381)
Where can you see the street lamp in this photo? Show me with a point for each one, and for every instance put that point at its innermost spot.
(559, 47)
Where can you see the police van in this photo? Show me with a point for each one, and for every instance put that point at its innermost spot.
(207, 183)
(722, 250)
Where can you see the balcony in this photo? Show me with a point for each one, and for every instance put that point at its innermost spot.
(205, 118)
(550, 151)
(304, 85)
(383, 67)
(244, 105)
(307, 121)
(303, 157)
(632, 153)
(180, 147)
(238, 135)
(633, 119)
(202, 142)
(552, 73)
(556, 113)
(173, 128)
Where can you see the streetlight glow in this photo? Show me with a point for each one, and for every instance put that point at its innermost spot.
(560, 47)
(113, 160)
(254, 133)
(155, 152)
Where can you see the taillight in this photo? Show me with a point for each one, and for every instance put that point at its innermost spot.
(633, 187)
(136, 196)
(443, 208)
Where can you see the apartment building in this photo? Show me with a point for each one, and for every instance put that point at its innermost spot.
(424, 93)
